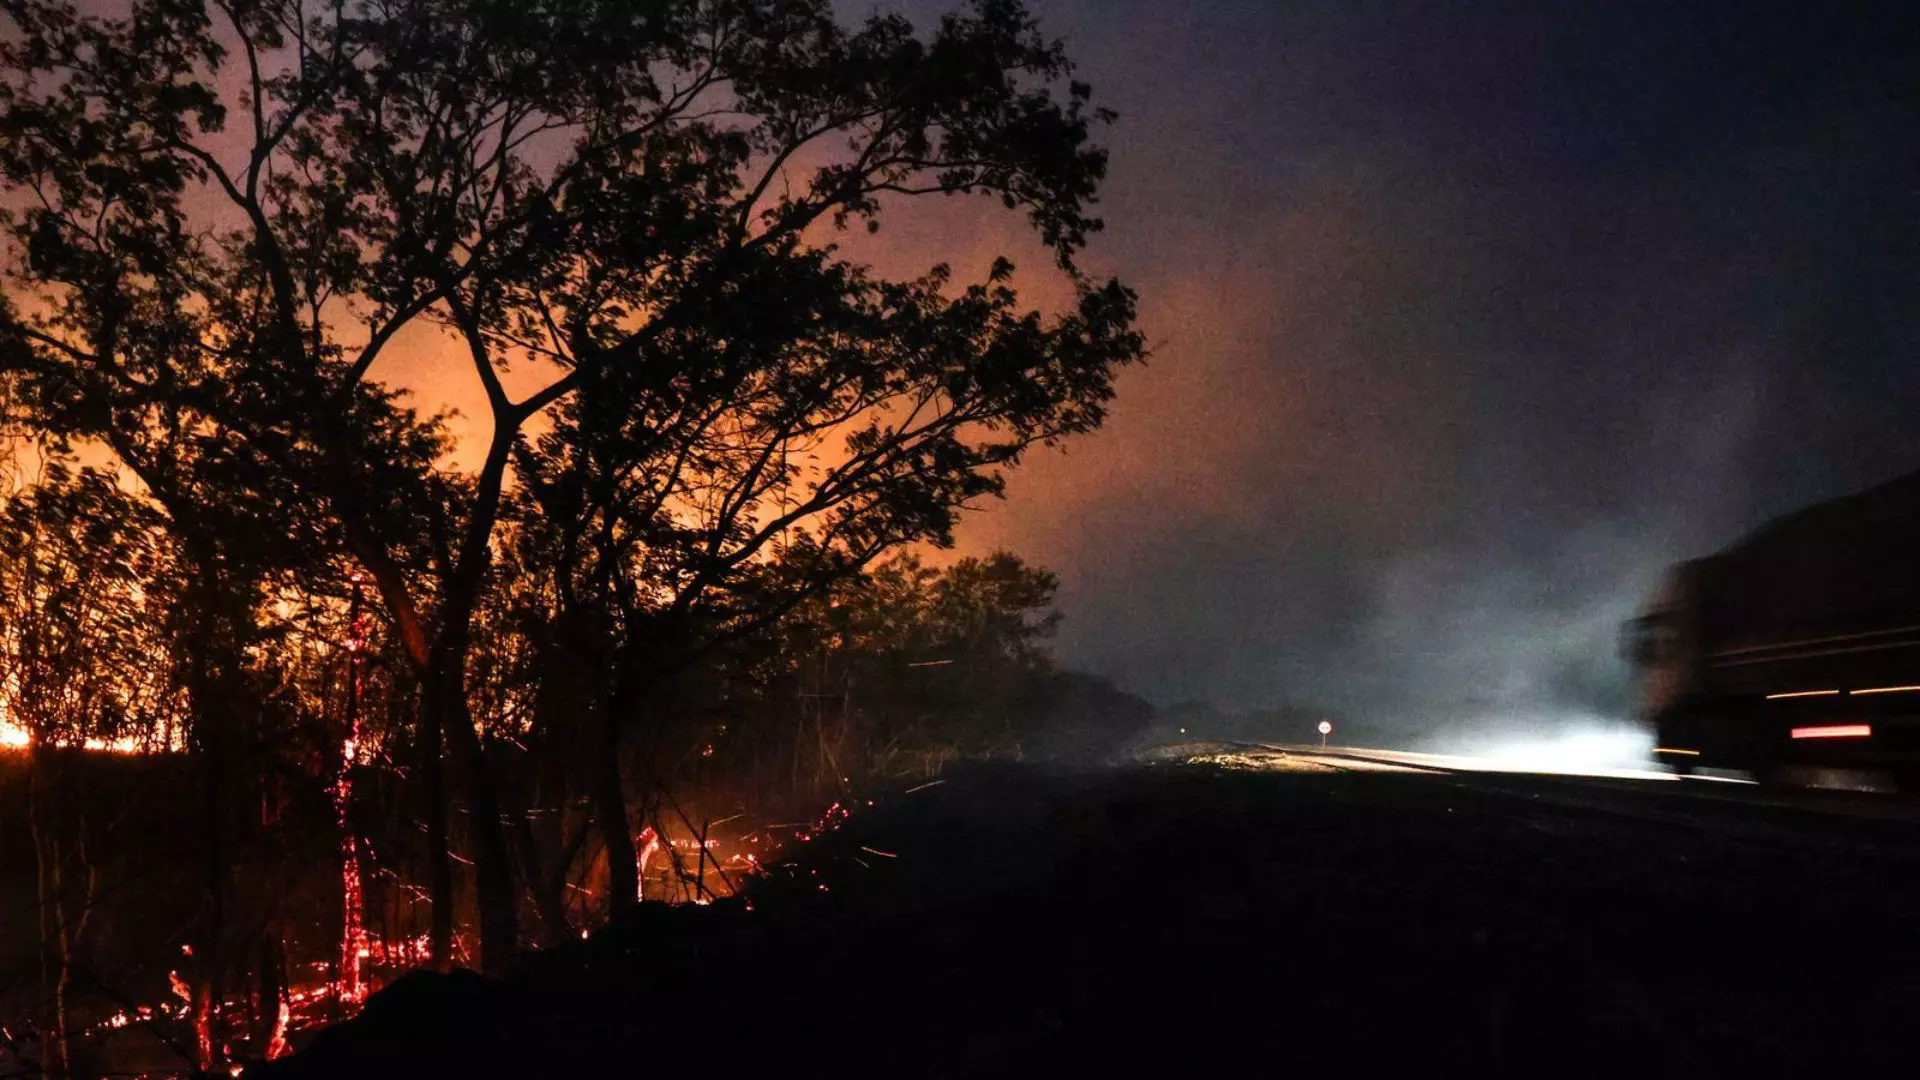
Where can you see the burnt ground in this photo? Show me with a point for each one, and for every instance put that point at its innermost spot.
(1172, 919)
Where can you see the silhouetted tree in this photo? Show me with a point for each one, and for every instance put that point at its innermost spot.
(893, 674)
(225, 214)
(80, 633)
(80, 628)
(930, 665)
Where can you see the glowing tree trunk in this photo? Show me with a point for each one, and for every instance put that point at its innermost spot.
(353, 934)
(273, 1011)
(649, 843)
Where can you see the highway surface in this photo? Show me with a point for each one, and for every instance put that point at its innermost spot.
(1851, 809)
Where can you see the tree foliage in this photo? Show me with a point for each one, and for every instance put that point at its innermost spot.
(80, 623)
(640, 223)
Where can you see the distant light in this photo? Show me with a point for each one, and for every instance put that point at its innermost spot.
(1591, 748)
(1834, 731)
(1675, 750)
(1183, 731)
(1885, 690)
(1804, 693)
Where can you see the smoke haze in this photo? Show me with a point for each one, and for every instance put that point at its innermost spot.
(1468, 320)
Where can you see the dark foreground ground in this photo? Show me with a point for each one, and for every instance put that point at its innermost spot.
(1175, 920)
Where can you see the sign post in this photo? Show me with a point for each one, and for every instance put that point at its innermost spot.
(1326, 729)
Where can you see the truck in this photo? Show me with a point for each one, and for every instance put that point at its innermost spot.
(1796, 648)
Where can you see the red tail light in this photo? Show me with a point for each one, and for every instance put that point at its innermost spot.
(1834, 731)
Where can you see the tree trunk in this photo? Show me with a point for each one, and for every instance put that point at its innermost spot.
(218, 698)
(439, 862)
(210, 992)
(492, 857)
(46, 857)
(610, 817)
(203, 1024)
(535, 835)
(273, 1008)
(547, 899)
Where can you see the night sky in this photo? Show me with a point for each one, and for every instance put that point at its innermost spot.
(1468, 319)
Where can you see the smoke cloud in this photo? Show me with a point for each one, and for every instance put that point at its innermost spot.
(1468, 322)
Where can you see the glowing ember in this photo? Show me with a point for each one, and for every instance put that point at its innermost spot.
(699, 869)
(277, 1047)
(16, 736)
(203, 1031)
(354, 950)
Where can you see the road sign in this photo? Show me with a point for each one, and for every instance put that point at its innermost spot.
(1326, 729)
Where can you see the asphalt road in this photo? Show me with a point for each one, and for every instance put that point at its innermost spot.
(1843, 811)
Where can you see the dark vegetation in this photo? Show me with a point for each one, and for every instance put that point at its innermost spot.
(668, 582)
(1177, 920)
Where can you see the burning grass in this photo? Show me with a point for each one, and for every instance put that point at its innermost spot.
(340, 922)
